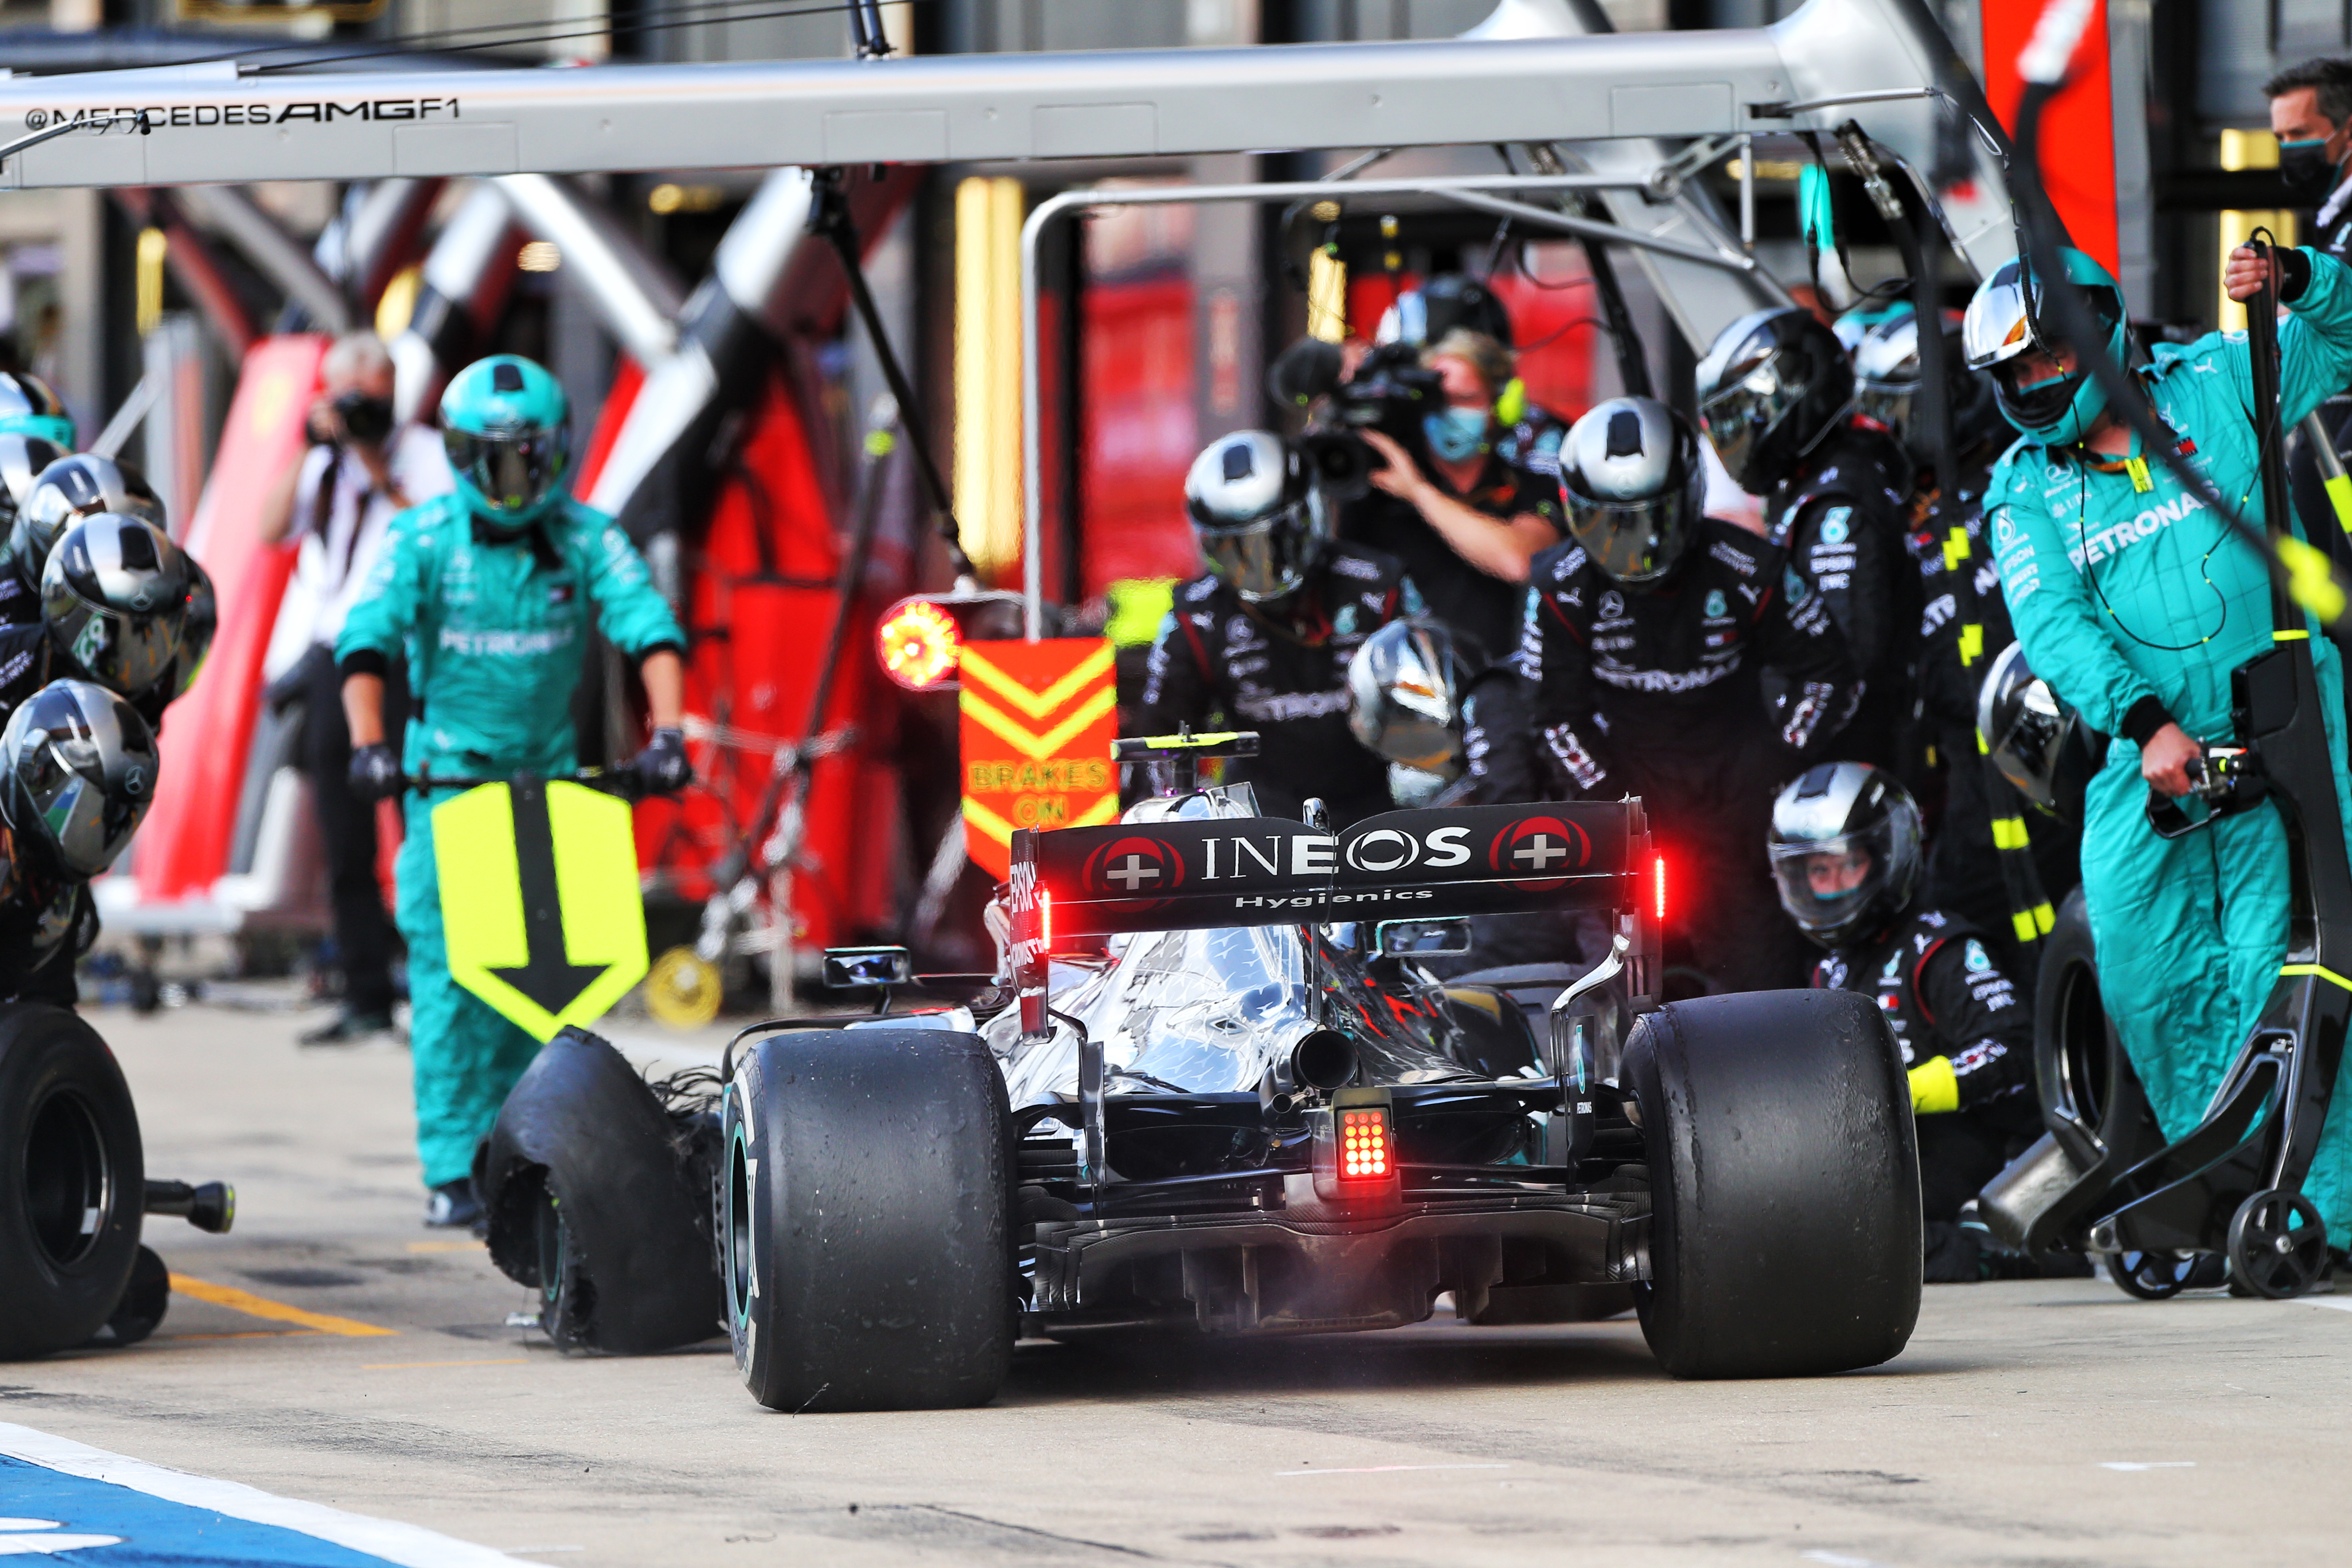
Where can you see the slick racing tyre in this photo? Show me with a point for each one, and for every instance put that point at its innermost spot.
(591, 1194)
(864, 1224)
(1784, 1175)
(144, 1301)
(72, 1183)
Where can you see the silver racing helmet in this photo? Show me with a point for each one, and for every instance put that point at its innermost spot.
(1404, 696)
(122, 600)
(78, 769)
(1633, 487)
(83, 484)
(1257, 513)
(1887, 376)
(2037, 741)
(1846, 850)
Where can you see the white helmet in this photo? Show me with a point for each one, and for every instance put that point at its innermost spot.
(1255, 509)
(1631, 478)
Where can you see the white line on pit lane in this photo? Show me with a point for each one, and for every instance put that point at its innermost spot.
(2149, 1465)
(405, 1544)
(1384, 1469)
(2341, 1303)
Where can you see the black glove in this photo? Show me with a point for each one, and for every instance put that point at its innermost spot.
(662, 768)
(376, 773)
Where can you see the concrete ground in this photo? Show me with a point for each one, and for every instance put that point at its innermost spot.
(2028, 1423)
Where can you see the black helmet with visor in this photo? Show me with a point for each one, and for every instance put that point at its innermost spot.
(1775, 382)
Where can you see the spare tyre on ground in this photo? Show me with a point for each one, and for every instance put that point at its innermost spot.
(72, 1180)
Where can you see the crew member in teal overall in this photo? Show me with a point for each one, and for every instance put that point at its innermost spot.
(2137, 601)
(491, 592)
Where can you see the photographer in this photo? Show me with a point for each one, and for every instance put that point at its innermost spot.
(1464, 522)
(339, 500)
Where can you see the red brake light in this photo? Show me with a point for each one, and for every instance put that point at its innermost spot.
(1363, 1145)
(919, 643)
(1658, 868)
(1045, 921)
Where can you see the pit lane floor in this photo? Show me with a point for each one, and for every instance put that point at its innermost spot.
(2031, 1423)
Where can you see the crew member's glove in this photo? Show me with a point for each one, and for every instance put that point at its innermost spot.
(1934, 1087)
(376, 773)
(662, 768)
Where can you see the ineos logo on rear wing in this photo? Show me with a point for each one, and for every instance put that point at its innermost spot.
(1171, 876)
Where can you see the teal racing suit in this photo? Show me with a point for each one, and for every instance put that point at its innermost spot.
(495, 628)
(2135, 601)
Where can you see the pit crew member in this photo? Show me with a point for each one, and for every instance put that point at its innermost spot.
(1845, 851)
(1645, 638)
(121, 605)
(492, 590)
(24, 459)
(1264, 638)
(1775, 398)
(78, 771)
(2135, 601)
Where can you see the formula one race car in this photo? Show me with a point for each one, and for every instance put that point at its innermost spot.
(1222, 1093)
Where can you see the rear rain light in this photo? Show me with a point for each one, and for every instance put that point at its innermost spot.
(1364, 1146)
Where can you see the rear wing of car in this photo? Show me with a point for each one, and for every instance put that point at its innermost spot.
(1263, 871)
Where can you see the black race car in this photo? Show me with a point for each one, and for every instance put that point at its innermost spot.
(1222, 1092)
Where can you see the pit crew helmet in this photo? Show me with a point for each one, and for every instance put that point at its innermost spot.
(1633, 487)
(126, 605)
(1775, 382)
(1257, 513)
(1887, 378)
(27, 407)
(69, 487)
(1835, 812)
(2004, 319)
(2038, 742)
(77, 769)
(1404, 696)
(507, 427)
(23, 459)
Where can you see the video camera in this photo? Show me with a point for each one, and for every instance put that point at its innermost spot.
(1390, 392)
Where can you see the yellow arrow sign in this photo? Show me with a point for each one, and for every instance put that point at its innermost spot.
(539, 902)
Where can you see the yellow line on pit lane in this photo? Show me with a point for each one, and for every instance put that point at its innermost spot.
(418, 1365)
(254, 1306)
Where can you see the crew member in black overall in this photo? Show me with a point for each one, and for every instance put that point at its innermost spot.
(1262, 639)
(1845, 851)
(1963, 874)
(1776, 399)
(1646, 639)
(78, 769)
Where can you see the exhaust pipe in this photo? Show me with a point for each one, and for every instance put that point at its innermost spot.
(1324, 1060)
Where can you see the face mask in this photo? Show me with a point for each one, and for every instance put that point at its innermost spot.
(2310, 176)
(1456, 434)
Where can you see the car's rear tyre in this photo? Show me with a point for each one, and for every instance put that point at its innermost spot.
(863, 1225)
(72, 1180)
(1784, 1169)
(593, 1199)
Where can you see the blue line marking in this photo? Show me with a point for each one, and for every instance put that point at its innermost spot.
(143, 1531)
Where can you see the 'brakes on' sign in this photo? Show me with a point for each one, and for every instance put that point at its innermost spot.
(1038, 720)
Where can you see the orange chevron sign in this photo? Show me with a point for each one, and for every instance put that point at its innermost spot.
(1038, 720)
